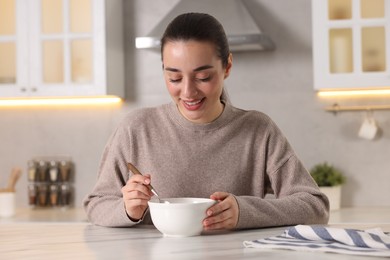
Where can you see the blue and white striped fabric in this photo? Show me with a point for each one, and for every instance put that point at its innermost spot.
(373, 242)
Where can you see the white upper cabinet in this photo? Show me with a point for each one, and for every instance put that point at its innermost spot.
(351, 41)
(61, 48)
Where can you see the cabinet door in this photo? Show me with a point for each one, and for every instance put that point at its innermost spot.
(52, 48)
(68, 43)
(13, 49)
(350, 39)
(61, 48)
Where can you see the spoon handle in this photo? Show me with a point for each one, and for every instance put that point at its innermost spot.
(15, 174)
(134, 170)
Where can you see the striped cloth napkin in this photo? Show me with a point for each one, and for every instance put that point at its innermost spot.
(372, 242)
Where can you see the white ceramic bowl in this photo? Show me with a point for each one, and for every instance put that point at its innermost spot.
(179, 217)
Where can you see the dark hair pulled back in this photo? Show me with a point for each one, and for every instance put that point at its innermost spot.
(198, 27)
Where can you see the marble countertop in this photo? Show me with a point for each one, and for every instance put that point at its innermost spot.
(380, 215)
(47, 215)
(66, 234)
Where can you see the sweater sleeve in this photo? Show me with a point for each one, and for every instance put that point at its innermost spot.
(104, 205)
(298, 199)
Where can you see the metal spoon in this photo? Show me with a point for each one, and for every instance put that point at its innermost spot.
(134, 170)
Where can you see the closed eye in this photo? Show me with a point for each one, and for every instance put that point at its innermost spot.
(174, 80)
(205, 79)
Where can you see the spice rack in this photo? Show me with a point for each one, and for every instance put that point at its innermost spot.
(50, 182)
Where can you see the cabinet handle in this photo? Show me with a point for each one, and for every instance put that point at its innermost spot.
(33, 89)
(23, 89)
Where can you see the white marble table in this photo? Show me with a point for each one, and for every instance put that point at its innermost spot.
(34, 238)
(46, 215)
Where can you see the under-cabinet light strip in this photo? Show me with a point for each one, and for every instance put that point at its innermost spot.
(368, 92)
(60, 101)
(336, 108)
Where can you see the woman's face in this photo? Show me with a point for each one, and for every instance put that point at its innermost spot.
(194, 77)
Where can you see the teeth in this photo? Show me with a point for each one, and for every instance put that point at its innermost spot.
(193, 103)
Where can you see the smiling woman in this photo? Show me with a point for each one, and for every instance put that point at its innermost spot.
(194, 77)
(201, 146)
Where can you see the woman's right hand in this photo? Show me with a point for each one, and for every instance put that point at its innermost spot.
(136, 196)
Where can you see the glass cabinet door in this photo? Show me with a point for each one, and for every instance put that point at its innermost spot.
(373, 37)
(66, 42)
(81, 54)
(373, 49)
(340, 50)
(52, 41)
(53, 48)
(366, 25)
(8, 58)
(350, 44)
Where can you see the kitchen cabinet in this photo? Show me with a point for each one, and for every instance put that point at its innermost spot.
(350, 44)
(51, 48)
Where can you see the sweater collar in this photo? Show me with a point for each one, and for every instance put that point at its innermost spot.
(223, 118)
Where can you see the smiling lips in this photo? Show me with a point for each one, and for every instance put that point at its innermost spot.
(193, 105)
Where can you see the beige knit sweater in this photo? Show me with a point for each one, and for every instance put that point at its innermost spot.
(241, 152)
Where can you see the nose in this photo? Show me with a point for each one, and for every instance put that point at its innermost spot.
(189, 89)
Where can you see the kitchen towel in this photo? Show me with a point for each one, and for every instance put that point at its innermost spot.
(372, 242)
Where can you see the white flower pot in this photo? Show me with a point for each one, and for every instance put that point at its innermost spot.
(334, 196)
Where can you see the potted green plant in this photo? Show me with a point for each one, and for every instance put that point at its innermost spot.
(329, 179)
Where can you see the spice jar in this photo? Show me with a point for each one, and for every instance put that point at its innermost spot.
(43, 192)
(65, 194)
(53, 171)
(65, 170)
(32, 170)
(54, 194)
(42, 171)
(32, 194)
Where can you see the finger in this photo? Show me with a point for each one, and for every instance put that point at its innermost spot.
(224, 214)
(219, 207)
(142, 179)
(138, 182)
(135, 202)
(224, 220)
(220, 217)
(219, 195)
(136, 198)
(132, 195)
(226, 225)
(217, 220)
(135, 190)
(220, 211)
(227, 219)
(219, 226)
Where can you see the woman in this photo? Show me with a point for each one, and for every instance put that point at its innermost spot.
(201, 146)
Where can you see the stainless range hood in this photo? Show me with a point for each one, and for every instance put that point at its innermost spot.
(242, 31)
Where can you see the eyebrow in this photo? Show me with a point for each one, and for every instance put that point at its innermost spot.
(205, 67)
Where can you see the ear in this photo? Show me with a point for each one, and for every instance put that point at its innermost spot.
(229, 65)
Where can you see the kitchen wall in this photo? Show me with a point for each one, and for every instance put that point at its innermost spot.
(279, 83)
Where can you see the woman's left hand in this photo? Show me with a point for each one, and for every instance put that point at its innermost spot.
(224, 214)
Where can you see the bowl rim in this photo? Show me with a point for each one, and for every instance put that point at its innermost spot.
(186, 201)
